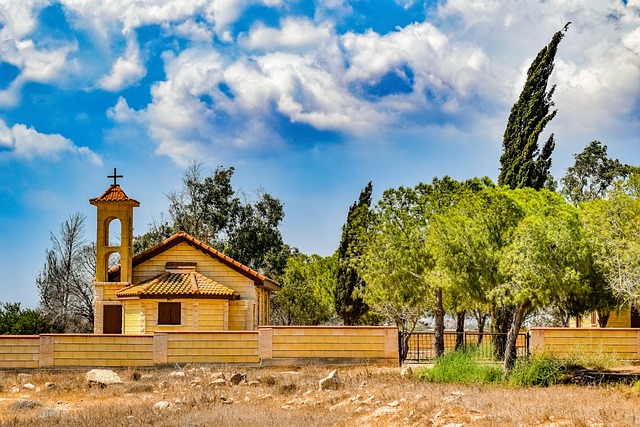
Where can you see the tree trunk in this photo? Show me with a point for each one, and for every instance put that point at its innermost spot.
(512, 337)
(460, 316)
(481, 319)
(438, 342)
(603, 318)
(501, 317)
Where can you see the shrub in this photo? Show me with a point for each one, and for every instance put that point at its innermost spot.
(541, 371)
(461, 367)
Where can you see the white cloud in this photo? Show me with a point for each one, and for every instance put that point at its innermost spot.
(18, 19)
(295, 34)
(27, 143)
(438, 63)
(127, 69)
(194, 31)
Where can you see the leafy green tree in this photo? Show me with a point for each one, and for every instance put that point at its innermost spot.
(254, 239)
(399, 265)
(523, 164)
(205, 207)
(17, 321)
(158, 231)
(65, 283)
(613, 226)
(592, 174)
(209, 209)
(349, 289)
(468, 241)
(546, 259)
(306, 295)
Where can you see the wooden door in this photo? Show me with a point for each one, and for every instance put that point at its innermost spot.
(112, 320)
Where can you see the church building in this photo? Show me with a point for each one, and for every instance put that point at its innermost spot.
(181, 284)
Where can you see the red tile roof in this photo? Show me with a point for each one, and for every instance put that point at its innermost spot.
(114, 194)
(178, 285)
(182, 237)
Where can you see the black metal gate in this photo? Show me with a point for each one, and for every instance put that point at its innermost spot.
(417, 347)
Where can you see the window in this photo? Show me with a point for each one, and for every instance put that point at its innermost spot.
(169, 313)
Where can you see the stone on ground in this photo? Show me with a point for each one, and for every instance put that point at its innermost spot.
(331, 382)
(102, 377)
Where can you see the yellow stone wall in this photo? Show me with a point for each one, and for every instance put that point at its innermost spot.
(238, 315)
(211, 316)
(623, 343)
(19, 351)
(334, 342)
(102, 350)
(620, 319)
(219, 347)
(291, 344)
(141, 316)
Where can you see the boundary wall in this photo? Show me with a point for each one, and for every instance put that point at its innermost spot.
(267, 345)
(623, 343)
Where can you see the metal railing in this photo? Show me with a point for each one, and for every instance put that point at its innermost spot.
(417, 347)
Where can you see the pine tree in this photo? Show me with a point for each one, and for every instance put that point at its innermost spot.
(523, 164)
(349, 305)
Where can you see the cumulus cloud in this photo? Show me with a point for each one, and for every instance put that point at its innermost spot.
(18, 19)
(126, 70)
(224, 91)
(27, 143)
(293, 34)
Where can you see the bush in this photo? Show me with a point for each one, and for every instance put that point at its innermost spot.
(541, 371)
(17, 321)
(461, 367)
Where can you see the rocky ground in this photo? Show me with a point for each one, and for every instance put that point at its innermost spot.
(303, 396)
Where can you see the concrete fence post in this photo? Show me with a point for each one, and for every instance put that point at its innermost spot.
(46, 347)
(265, 343)
(160, 348)
(391, 347)
(536, 342)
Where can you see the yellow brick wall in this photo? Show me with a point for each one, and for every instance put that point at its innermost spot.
(209, 312)
(211, 315)
(151, 318)
(214, 347)
(620, 319)
(328, 342)
(132, 311)
(238, 315)
(19, 351)
(102, 350)
(207, 266)
(623, 343)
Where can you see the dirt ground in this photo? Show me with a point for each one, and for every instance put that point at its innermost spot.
(268, 396)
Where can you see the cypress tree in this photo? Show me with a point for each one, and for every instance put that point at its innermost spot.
(522, 163)
(349, 305)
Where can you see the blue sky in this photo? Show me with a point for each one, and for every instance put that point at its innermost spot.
(307, 99)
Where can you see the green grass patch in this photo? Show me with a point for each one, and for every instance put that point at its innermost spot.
(540, 371)
(461, 367)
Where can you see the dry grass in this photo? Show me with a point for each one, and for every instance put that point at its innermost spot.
(367, 396)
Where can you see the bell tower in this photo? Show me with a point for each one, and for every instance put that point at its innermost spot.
(114, 235)
(114, 205)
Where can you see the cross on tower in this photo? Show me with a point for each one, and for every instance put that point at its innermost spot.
(115, 176)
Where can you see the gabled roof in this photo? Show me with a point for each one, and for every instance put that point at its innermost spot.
(178, 285)
(114, 194)
(182, 237)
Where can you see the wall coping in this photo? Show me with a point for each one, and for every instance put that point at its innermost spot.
(324, 327)
(560, 328)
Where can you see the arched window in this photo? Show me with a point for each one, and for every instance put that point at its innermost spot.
(113, 259)
(114, 232)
